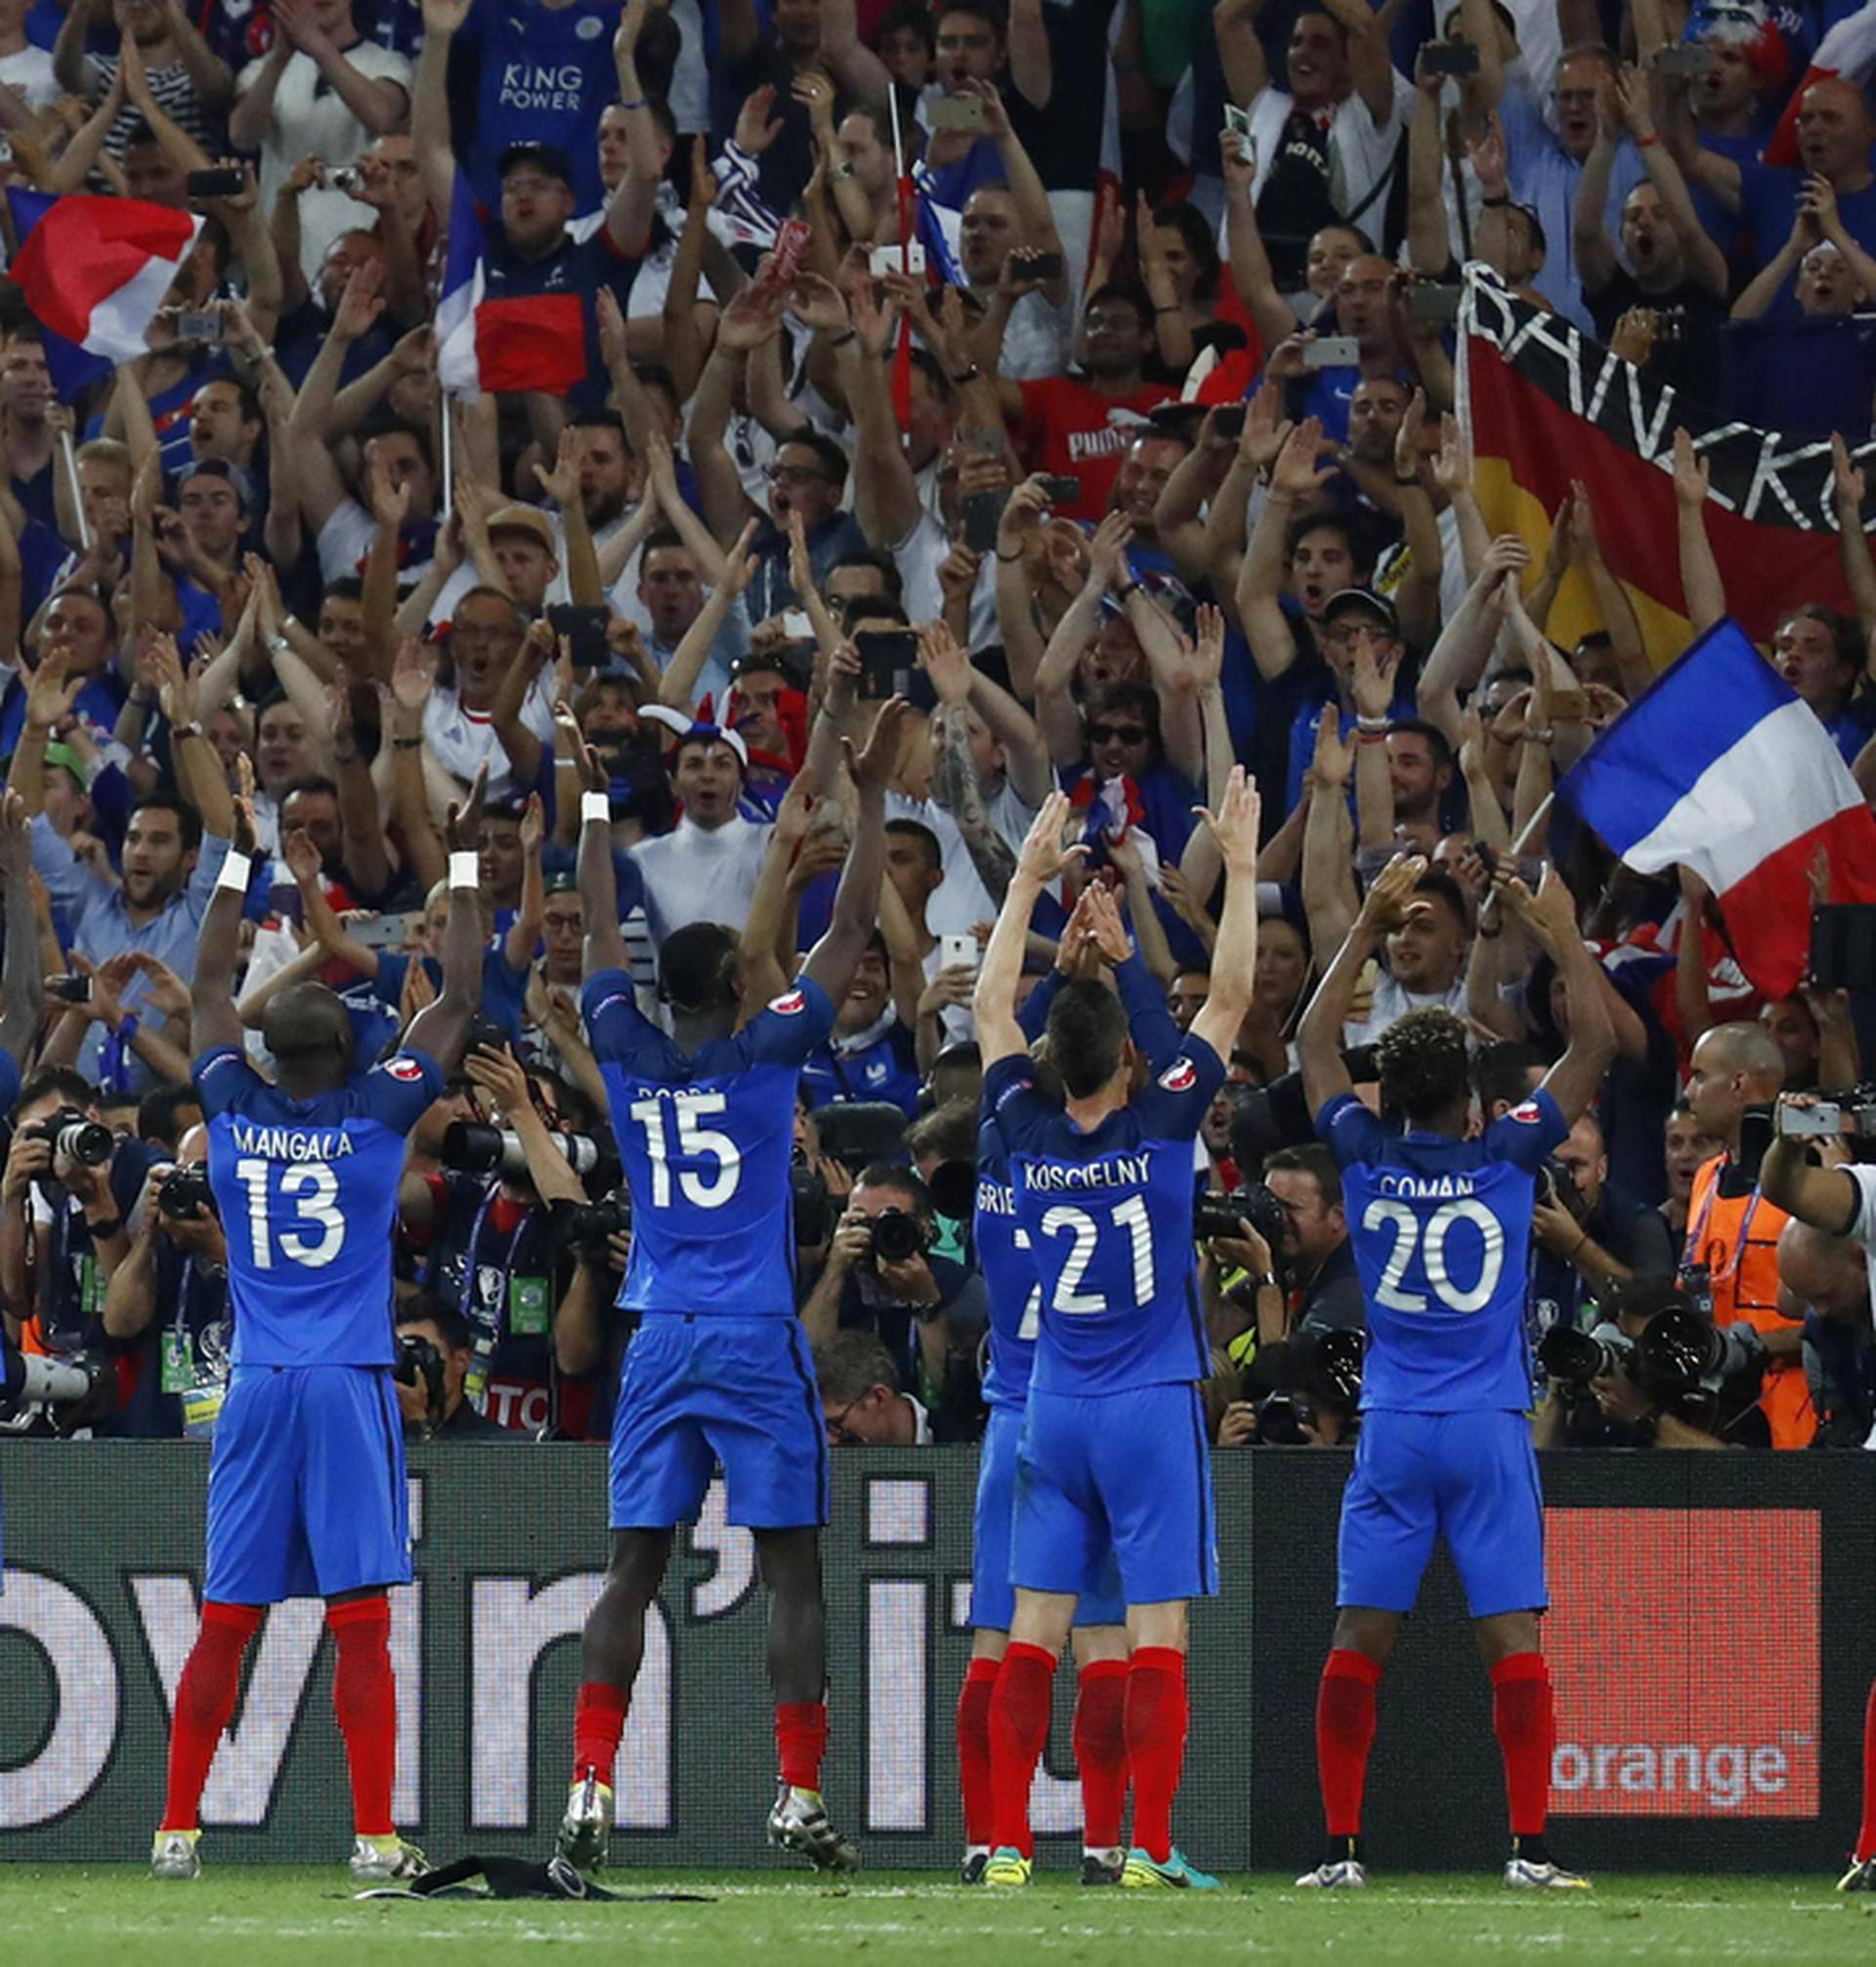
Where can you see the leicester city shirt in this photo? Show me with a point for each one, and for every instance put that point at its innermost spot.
(1441, 1231)
(706, 1143)
(1108, 1214)
(308, 1195)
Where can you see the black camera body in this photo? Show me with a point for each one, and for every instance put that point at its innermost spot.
(813, 1204)
(1556, 1189)
(421, 1364)
(1578, 1357)
(1322, 1374)
(89, 1143)
(1216, 1215)
(589, 1226)
(186, 1194)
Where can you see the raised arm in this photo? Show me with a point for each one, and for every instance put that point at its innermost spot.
(1853, 541)
(834, 959)
(1234, 956)
(1551, 916)
(442, 1027)
(1041, 861)
(24, 976)
(1319, 1035)
(1704, 590)
(214, 1021)
(1827, 1198)
(598, 883)
(430, 135)
(1295, 484)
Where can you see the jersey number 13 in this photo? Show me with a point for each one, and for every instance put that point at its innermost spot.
(312, 1192)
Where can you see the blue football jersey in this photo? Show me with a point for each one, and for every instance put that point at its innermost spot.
(1002, 1244)
(1109, 1221)
(308, 1195)
(1441, 1231)
(705, 1144)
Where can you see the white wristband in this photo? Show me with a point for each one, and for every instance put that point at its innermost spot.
(235, 869)
(465, 869)
(595, 806)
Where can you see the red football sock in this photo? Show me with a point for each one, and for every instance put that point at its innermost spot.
(1156, 1714)
(1525, 1723)
(1344, 1734)
(1101, 1750)
(364, 1697)
(1866, 1836)
(973, 1749)
(599, 1720)
(1019, 1731)
(204, 1700)
(800, 1741)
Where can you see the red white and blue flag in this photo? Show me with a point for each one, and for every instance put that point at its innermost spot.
(507, 344)
(92, 272)
(1721, 767)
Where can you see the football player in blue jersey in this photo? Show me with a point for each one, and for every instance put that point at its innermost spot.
(719, 1370)
(1440, 1220)
(1113, 1453)
(1095, 931)
(25, 1377)
(305, 1487)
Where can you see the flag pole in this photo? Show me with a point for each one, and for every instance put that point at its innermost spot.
(446, 455)
(1531, 831)
(902, 353)
(70, 456)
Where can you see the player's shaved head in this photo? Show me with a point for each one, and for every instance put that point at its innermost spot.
(697, 970)
(306, 1027)
(1087, 1037)
(1423, 1065)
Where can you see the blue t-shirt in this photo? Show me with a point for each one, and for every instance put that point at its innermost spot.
(1769, 203)
(886, 1069)
(1441, 1231)
(543, 75)
(9, 1082)
(705, 1144)
(1109, 1219)
(504, 989)
(1001, 1242)
(307, 1190)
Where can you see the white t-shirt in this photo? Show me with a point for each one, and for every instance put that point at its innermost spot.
(694, 875)
(1364, 149)
(311, 119)
(30, 72)
(1392, 1004)
(960, 900)
(459, 739)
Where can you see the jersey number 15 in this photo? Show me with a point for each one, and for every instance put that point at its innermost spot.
(694, 1142)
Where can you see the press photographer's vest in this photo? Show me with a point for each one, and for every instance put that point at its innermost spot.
(1736, 1238)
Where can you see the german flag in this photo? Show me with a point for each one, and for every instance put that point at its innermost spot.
(1545, 405)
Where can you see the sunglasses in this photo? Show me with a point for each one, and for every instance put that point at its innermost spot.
(1118, 733)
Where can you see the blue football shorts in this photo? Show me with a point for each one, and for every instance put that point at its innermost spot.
(1116, 1478)
(306, 1489)
(1469, 1477)
(993, 1597)
(697, 1392)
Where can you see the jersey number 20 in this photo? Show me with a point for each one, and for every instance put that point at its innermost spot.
(694, 1142)
(312, 1190)
(1431, 1239)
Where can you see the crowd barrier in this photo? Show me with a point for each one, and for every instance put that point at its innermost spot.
(1713, 1637)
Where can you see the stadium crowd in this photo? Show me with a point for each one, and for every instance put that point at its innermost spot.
(1151, 468)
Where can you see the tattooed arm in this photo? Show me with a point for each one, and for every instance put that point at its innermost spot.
(955, 781)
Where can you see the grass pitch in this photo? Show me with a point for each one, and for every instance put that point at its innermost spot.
(243, 1915)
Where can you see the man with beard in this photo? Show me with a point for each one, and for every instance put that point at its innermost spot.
(29, 421)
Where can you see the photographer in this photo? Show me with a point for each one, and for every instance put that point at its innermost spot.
(1731, 1253)
(435, 1350)
(485, 1224)
(882, 1275)
(1587, 1234)
(68, 1187)
(589, 1336)
(1655, 1373)
(167, 1303)
(861, 1403)
(1828, 1280)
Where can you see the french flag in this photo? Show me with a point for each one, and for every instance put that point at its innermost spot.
(1721, 767)
(506, 345)
(94, 271)
(1847, 53)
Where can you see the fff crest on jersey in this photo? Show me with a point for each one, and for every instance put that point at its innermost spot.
(1529, 1113)
(407, 1069)
(790, 1002)
(1181, 1076)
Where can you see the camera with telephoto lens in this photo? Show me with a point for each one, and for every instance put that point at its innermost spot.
(1323, 1367)
(1217, 1215)
(1556, 1189)
(471, 1147)
(897, 1236)
(89, 1143)
(589, 1226)
(421, 1364)
(1578, 1357)
(1680, 1353)
(186, 1193)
